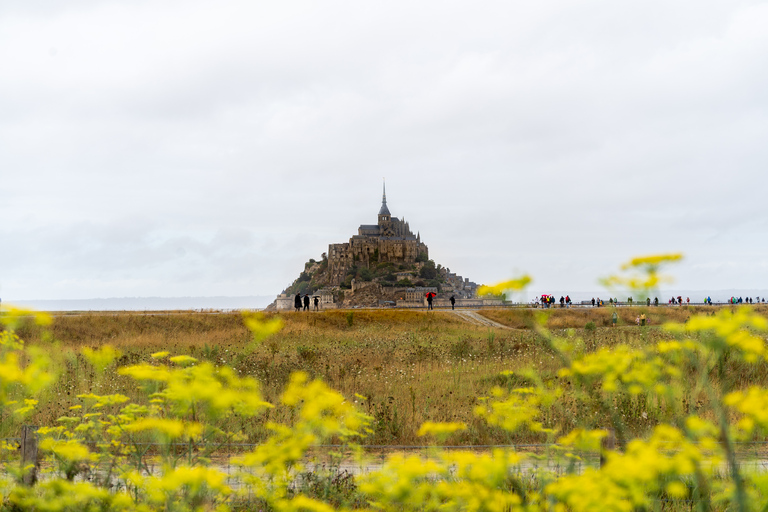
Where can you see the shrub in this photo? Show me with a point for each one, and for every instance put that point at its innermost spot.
(306, 354)
(428, 271)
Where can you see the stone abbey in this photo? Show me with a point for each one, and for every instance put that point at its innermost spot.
(384, 264)
(389, 241)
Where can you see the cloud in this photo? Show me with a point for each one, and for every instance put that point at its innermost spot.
(157, 149)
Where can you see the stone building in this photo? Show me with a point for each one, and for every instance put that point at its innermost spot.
(419, 293)
(390, 240)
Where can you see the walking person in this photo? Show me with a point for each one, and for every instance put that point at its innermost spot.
(453, 301)
(429, 300)
(317, 303)
(614, 319)
(306, 302)
(297, 302)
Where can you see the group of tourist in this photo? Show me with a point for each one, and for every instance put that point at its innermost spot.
(298, 302)
(748, 300)
(547, 301)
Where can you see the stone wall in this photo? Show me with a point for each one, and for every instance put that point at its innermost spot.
(360, 250)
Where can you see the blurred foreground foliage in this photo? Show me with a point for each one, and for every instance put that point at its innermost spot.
(163, 451)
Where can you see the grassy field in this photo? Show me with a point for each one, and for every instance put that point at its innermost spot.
(575, 318)
(401, 367)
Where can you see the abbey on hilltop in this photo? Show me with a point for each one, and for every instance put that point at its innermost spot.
(383, 264)
(389, 241)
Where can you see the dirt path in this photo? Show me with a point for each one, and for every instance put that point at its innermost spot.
(472, 317)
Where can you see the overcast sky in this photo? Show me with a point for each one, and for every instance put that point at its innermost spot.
(210, 148)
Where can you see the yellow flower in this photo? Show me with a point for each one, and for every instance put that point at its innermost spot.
(583, 440)
(99, 401)
(645, 279)
(69, 450)
(653, 260)
(183, 360)
(168, 428)
(259, 327)
(516, 409)
(734, 328)
(500, 288)
(101, 358)
(440, 430)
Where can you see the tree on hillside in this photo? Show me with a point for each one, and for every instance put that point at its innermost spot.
(428, 271)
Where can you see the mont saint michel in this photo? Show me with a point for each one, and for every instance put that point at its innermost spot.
(383, 264)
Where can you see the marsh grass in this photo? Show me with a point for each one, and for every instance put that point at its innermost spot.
(564, 318)
(401, 367)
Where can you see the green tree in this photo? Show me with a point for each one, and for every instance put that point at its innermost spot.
(428, 271)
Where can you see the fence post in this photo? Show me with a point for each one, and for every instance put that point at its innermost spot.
(29, 453)
(607, 443)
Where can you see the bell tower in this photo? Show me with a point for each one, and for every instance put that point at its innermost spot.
(385, 218)
(384, 214)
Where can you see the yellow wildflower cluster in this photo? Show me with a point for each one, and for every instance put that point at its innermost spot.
(644, 278)
(622, 368)
(451, 481)
(517, 408)
(667, 462)
(440, 430)
(514, 285)
(96, 457)
(736, 330)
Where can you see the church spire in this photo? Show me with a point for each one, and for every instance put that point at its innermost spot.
(384, 210)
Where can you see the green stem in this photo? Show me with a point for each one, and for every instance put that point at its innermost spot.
(727, 442)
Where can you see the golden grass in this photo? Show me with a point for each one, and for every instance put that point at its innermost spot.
(575, 318)
(411, 366)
